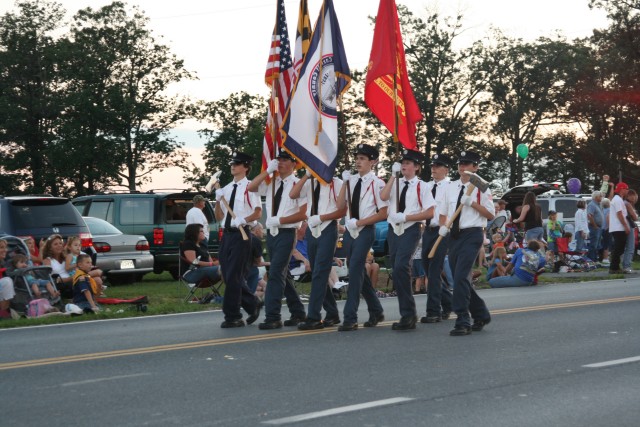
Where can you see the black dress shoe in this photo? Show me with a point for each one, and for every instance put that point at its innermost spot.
(310, 325)
(430, 319)
(255, 314)
(478, 325)
(446, 315)
(405, 323)
(374, 320)
(459, 331)
(272, 324)
(331, 321)
(348, 327)
(294, 320)
(232, 323)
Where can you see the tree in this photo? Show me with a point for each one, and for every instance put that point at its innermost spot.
(238, 125)
(29, 103)
(528, 89)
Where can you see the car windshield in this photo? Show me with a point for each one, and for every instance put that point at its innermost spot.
(43, 213)
(99, 227)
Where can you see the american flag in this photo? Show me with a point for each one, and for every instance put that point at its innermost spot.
(280, 78)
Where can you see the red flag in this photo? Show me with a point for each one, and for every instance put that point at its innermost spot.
(387, 90)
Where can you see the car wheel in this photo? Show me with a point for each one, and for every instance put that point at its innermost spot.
(175, 272)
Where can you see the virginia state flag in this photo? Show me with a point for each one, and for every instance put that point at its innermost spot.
(310, 128)
(391, 100)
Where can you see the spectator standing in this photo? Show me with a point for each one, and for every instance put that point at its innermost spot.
(581, 230)
(605, 241)
(595, 216)
(632, 217)
(196, 215)
(618, 227)
(531, 215)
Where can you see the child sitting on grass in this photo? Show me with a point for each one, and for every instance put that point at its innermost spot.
(84, 285)
(497, 266)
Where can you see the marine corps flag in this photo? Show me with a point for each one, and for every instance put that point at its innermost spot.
(310, 128)
(387, 90)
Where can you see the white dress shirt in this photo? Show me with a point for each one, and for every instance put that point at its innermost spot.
(441, 189)
(288, 206)
(245, 202)
(370, 201)
(469, 217)
(417, 199)
(327, 202)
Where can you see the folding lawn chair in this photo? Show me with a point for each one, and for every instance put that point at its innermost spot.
(209, 289)
(576, 260)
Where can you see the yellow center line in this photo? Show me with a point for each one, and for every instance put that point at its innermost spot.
(254, 338)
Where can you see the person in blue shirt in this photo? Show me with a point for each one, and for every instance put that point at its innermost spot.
(522, 270)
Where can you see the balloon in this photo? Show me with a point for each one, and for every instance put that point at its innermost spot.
(523, 150)
(573, 185)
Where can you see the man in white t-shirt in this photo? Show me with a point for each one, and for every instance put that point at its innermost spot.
(618, 226)
(195, 215)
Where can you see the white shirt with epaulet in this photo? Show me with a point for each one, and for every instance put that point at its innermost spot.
(441, 189)
(417, 199)
(245, 202)
(370, 201)
(328, 199)
(288, 206)
(469, 217)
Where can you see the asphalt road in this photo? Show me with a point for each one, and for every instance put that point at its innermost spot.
(538, 363)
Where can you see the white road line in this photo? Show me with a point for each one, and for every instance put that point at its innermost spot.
(97, 380)
(613, 362)
(336, 411)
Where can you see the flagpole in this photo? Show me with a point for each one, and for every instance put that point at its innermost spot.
(395, 136)
(320, 76)
(274, 125)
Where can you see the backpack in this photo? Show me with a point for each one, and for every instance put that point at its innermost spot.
(38, 307)
(530, 261)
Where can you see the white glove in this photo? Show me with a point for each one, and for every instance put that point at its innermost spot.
(398, 218)
(308, 174)
(273, 221)
(351, 224)
(397, 167)
(346, 175)
(314, 221)
(272, 166)
(238, 222)
(219, 193)
(466, 200)
(443, 231)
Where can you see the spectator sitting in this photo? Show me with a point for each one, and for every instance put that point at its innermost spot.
(53, 255)
(20, 261)
(372, 268)
(73, 250)
(497, 240)
(254, 281)
(196, 254)
(299, 262)
(497, 263)
(34, 252)
(84, 285)
(6, 285)
(524, 266)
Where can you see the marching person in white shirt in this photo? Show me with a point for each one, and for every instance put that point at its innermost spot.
(410, 204)
(438, 292)
(365, 209)
(322, 236)
(234, 252)
(284, 216)
(466, 239)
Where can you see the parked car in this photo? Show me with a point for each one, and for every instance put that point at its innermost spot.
(124, 258)
(42, 216)
(159, 217)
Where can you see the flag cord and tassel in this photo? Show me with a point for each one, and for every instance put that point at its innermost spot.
(320, 106)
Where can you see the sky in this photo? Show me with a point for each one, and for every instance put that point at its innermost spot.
(226, 43)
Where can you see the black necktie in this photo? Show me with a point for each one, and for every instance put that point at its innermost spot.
(316, 199)
(277, 199)
(227, 221)
(455, 227)
(355, 200)
(403, 197)
(433, 193)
